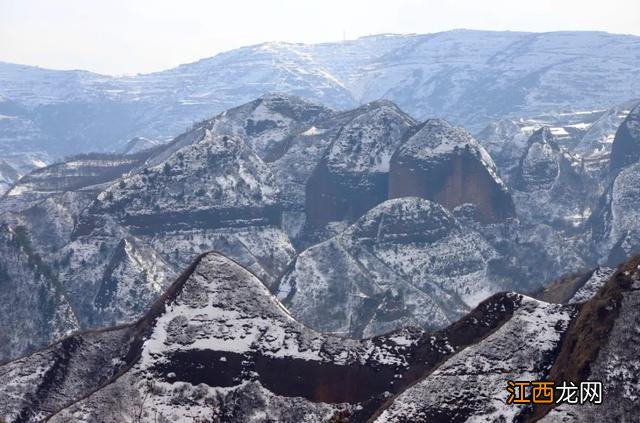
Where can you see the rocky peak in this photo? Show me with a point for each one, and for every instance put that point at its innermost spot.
(405, 219)
(266, 122)
(444, 163)
(293, 107)
(626, 144)
(352, 176)
(366, 143)
(539, 165)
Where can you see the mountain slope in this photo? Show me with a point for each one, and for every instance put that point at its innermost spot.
(38, 307)
(353, 174)
(218, 346)
(406, 261)
(467, 77)
(551, 185)
(115, 229)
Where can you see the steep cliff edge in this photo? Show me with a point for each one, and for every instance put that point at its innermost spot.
(445, 164)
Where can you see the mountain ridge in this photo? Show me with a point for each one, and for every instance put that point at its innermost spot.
(489, 332)
(77, 110)
(137, 335)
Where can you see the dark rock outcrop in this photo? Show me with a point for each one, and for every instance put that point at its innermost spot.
(626, 144)
(445, 164)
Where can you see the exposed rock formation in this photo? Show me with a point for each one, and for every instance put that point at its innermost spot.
(539, 166)
(218, 346)
(626, 145)
(445, 164)
(551, 186)
(211, 194)
(352, 176)
(614, 232)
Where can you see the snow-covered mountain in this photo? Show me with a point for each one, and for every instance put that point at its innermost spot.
(14, 166)
(117, 228)
(294, 192)
(586, 133)
(467, 77)
(218, 346)
(353, 174)
(258, 329)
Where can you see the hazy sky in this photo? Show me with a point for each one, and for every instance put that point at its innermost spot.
(137, 36)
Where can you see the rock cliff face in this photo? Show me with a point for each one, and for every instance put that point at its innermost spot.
(197, 187)
(214, 193)
(626, 145)
(613, 229)
(257, 180)
(539, 166)
(407, 261)
(352, 177)
(445, 164)
(551, 186)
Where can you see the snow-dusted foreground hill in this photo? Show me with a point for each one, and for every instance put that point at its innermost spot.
(218, 346)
